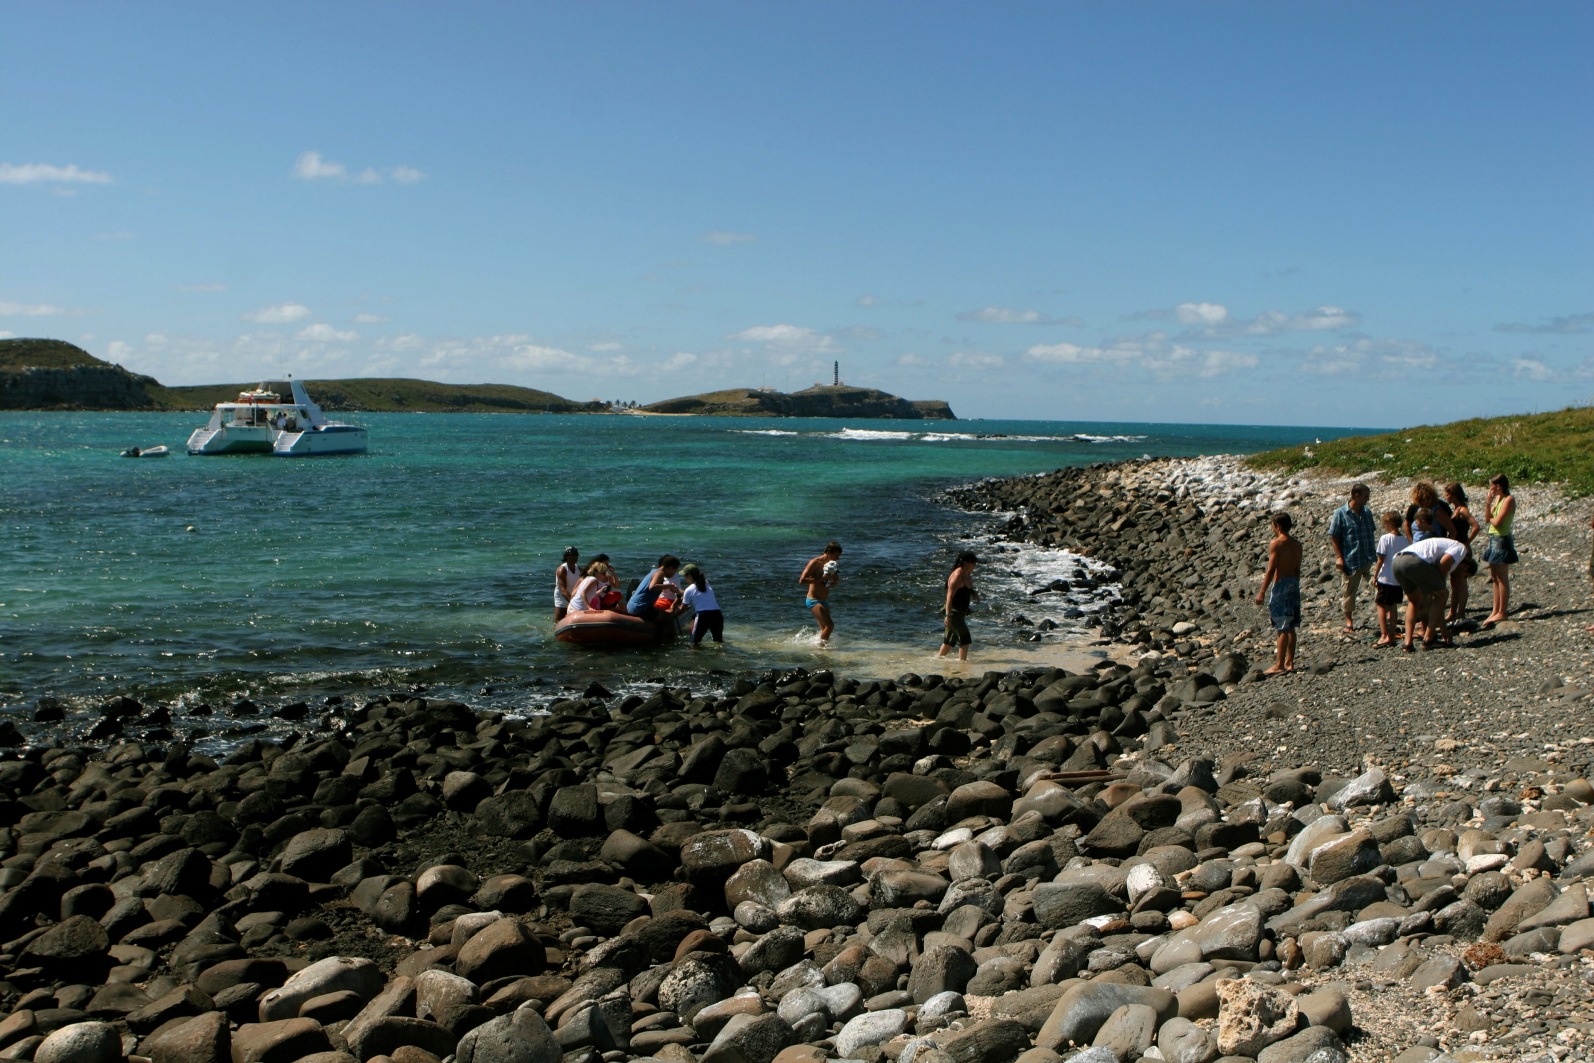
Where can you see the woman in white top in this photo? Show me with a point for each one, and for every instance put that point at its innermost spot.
(588, 594)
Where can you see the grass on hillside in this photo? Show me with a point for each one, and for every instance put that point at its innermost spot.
(382, 393)
(43, 354)
(1532, 448)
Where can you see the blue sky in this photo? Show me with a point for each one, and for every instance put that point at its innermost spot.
(1368, 214)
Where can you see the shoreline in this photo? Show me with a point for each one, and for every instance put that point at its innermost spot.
(1136, 834)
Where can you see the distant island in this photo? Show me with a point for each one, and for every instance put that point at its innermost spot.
(45, 374)
(821, 400)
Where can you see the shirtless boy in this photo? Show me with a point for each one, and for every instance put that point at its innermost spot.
(818, 583)
(1284, 607)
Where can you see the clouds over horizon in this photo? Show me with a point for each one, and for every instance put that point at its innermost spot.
(788, 344)
(1154, 352)
(310, 166)
(10, 309)
(1003, 315)
(281, 314)
(30, 173)
(1566, 325)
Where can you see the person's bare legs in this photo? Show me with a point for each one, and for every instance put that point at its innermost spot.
(1500, 590)
(821, 613)
(1413, 604)
(1282, 649)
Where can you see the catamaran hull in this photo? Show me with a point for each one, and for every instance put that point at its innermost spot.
(336, 439)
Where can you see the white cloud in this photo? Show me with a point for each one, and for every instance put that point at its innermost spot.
(1004, 315)
(309, 166)
(678, 362)
(1216, 363)
(1209, 314)
(726, 239)
(974, 360)
(1379, 358)
(117, 351)
(1321, 319)
(369, 319)
(1074, 354)
(1152, 351)
(1566, 325)
(323, 333)
(282, 314)
(1531, 369)
(605, 347)
(213, 287)
(868, 300)
(787, 337)
(911, 359)
(37, 172)
(8, 309)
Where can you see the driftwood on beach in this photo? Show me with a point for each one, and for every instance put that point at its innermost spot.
(1166, 858)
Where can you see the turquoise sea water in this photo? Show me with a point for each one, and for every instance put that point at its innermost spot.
(429, 561)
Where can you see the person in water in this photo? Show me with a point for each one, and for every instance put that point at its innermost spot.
(818, 576)
(644, 600)
(960, 594)
(565, 578)
(706, 617)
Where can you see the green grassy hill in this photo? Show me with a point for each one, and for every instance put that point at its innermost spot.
(1531, 448)
(53, 374)
(19, 354)
(391, 395)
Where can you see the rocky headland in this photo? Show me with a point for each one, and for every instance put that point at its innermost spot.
(1380, 857)
(821, 400)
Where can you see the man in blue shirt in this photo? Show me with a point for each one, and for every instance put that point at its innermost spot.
(1355, 541)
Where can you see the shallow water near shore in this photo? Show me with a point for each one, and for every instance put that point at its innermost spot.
(428, 562)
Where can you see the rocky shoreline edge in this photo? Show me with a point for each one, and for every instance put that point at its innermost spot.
(1167, 858)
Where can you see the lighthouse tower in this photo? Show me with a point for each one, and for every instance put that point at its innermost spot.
(835, 374)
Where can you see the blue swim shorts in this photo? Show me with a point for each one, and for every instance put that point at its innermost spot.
(809, 603)
(1284, 603)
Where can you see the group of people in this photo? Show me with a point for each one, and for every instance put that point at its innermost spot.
(1426, 556)
(660, 596)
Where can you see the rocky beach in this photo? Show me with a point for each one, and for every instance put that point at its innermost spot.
(1168, 857)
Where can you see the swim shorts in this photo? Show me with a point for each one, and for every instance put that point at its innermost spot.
(1387, 595)
(1284, 603)
(957, 629)
(809, 603)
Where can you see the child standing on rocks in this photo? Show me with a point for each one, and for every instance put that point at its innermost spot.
(1284, 607)
(1386, 587)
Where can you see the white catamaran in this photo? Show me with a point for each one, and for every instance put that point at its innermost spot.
(277, 417)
